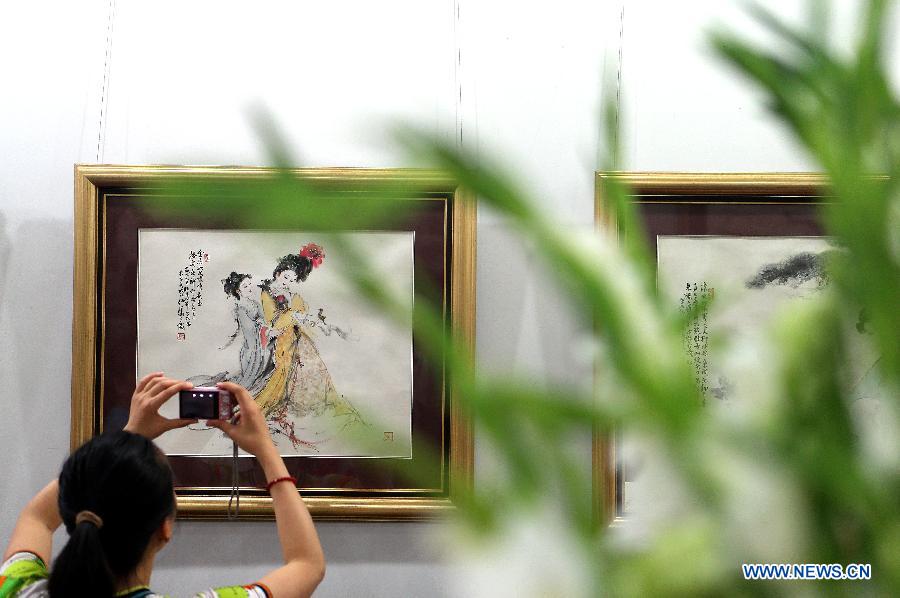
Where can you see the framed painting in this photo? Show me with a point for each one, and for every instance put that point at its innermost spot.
(752, 239)
(370, 428)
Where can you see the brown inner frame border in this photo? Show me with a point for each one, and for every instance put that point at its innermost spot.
(728, 216)
(347, 476)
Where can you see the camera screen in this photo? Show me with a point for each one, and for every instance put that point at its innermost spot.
(193, 404)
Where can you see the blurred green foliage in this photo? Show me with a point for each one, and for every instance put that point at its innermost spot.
(836, 503)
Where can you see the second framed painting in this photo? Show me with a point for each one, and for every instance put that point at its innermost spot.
(165, 282)
(754, 239)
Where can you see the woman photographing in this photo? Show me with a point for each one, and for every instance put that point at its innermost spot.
(115, 496)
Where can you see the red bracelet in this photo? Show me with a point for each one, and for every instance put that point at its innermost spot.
(287, 478)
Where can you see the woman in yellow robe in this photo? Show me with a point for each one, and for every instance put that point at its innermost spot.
(300, 381)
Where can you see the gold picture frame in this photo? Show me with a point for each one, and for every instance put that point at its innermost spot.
(765, 203)
(97, 185)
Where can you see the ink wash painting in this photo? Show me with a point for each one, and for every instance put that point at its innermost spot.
(743, 281)
(738, 285)
(751, 281)
(741, 285)
(275, 312)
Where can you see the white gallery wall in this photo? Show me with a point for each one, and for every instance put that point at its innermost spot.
(127, 82)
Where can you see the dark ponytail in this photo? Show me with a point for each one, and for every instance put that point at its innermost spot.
(124, 480)
(81, 568)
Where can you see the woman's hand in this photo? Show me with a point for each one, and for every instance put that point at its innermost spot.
(151, 392)
(251, 431)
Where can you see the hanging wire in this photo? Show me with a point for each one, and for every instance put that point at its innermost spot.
(106, 67)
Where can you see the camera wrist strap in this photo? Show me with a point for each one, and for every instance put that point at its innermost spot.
(235, 497)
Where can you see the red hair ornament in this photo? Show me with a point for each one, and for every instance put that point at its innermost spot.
(314, 253)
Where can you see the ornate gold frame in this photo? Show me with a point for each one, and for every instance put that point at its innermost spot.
(90, 180)
(742, 187)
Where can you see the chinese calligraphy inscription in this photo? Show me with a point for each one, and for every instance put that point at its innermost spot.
(190, 290)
